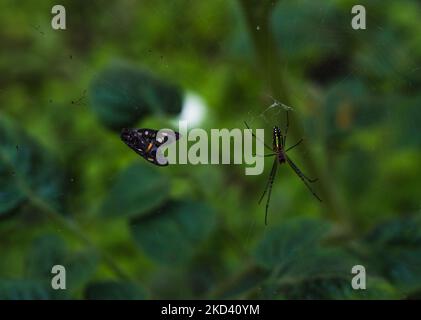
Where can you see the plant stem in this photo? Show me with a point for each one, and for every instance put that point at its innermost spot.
(73, 228)
(60, 219)
(269, 60)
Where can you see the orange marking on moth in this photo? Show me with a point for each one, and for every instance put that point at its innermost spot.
(149, 147)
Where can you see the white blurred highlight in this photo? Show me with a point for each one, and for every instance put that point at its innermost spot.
(194, 110)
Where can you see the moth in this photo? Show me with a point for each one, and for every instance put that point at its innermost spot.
(146, 142)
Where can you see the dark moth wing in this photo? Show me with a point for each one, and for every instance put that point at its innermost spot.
(146, 142)
(154, 142)
(150, 135)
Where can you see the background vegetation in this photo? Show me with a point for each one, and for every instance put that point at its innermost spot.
(72, 193)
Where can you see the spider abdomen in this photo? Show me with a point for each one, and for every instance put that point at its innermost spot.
(281, 157)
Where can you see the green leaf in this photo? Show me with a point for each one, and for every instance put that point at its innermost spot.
(291, 240)
(318, 262)
(138, 190)
(80, 267)
(121, 95)
(246, 286)
(45, 252)
(397, 232)
(335, 287)
(321, 18)
(26, 170)
(174, 233)
(112, 290)
(395, 252)
(50, 250)
(23, 290)
(302, 267)
(383, 71)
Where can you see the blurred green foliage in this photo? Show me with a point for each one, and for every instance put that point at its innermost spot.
(72, 193)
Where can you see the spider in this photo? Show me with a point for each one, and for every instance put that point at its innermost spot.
(280, 151)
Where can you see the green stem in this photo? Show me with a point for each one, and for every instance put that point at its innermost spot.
(269, 60)
(61, 220)
(73, 228)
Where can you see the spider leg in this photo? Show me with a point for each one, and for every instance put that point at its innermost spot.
(303, 178)
(268, 181)
(256, 137)
(294, 166)
(265, 155)
(301, 140)
(270, 192)
(269, 188)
